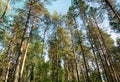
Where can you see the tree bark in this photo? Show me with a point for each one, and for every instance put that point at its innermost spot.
(66, 69)
(25, 54)
(107, 54)
(11, 53)
(107, 77)
(73, 49)
(111, 7)
(17, 70)
(83, 53)
(94, 53)
(5, 10)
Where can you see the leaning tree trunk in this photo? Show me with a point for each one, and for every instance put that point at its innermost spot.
(85, 20)
(83, 75)
(83, 53)
(17, 70)
(106, 52)
(66, 68)
(5, 10)
(98, 51)
(105, 59)
(111, 7)
(53, 68)
(73, 49)
(11, 53)
(57, 59)
(95, 56)
(26, 50)
(8, 54)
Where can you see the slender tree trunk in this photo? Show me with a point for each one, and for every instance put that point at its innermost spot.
(17, 70)
(83, 75)
(53, 68)
(25, 54)
(56, 56)
(72, 68)
(8, 55)
(94, 53)
(3, 66)
(83, 53)
(111, 7)
(86, 69)
(5, 10)
(57, 63)
(11, 53)
(73, 49)
(66, 69)
(109, 56)
(24, 58)
(4, 62)
(99, 55)
(106, 61)
(88, 30)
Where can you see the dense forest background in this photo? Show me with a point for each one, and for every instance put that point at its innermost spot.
(37, 46)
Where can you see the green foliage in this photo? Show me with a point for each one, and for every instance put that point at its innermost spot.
(70, 48)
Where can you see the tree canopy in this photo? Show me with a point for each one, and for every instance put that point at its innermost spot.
(37, 46)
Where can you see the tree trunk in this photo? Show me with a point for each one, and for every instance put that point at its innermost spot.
(111, 7)
(11, 53)
(5, 10)
(73, 49)
(99, 55)
(97, 48)
(83, 80)
(83, 53)
(57, 63)
(94, 53)
(27, 45)
(17, 70)
(109, 56)
(66, 69)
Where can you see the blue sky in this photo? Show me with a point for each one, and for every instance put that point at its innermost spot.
(61, 6)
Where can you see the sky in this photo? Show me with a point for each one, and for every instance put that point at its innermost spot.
(61, 6)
